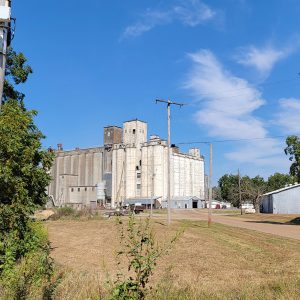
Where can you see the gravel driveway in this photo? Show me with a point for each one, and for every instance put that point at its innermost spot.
(290, 231)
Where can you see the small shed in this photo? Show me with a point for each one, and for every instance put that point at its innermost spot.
(146, 202)
(282, 201)
(185, 202)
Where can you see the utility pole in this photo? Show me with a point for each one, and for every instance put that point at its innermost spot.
(169, 103)
(240, 192)
(4, 32)
(210, 185)
(152, 183)
(151, 211)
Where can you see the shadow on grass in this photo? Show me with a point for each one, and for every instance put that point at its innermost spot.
(160, 223)
(267, 222)
(295, 221)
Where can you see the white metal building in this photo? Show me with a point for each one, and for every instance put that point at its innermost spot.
(140, 167)
(282, 201)
(185, 202)
(127, 167)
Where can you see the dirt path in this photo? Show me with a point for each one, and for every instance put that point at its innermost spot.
(290, 231)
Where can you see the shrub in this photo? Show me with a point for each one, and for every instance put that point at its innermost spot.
(139, 247)
(24, 176)
(63, 212)
(70, 213)
(30, 277)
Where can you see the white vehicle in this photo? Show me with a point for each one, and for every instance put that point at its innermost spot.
(247, 206)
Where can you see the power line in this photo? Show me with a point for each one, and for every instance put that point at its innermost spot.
(232, 140)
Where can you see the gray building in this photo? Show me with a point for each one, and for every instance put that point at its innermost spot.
(146, 202)
(127, 166)
(185, 202)
(282, 201)
(82, 177)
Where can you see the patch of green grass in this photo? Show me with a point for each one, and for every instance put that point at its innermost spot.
(270, 218)
(69, 213)
(226, 211)
(156, 211)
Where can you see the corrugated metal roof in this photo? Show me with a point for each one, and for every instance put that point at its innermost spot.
(184, 198)
(283, 189)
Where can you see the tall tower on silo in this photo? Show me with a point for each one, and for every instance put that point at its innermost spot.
(112, 136)
(135, 133)
(134, 136)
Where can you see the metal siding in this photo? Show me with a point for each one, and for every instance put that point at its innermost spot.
(157, 163)
(145, 172)
(267, 204)
(287, 202)
(108, 180)
(97, 168)
(180, 204)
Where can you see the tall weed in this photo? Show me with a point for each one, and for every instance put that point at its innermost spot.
(139, 247)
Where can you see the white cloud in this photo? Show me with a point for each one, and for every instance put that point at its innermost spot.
(263, 157)
(229, 114)
(189, 12)
(263, 59)
(150, 20)
(225, 116)
(289, 115)
(268, 152)
(193, 13)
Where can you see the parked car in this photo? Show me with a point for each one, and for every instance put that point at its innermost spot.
(136, 208)
(247, 205)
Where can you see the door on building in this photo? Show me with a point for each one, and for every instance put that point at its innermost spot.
(195, 204)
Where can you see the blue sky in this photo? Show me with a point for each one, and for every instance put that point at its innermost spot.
(235, 63)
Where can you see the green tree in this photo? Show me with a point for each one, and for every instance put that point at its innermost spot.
(229, 185)
(279, 180)
(24, 176)
(216, 193)
(16, 72)
(253, 190)
(23, 168)
(293, 151)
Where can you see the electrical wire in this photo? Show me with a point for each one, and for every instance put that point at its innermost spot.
(231, 140)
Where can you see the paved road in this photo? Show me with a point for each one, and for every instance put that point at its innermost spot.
(290, 231)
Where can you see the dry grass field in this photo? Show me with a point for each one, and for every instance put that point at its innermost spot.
(220, 262)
